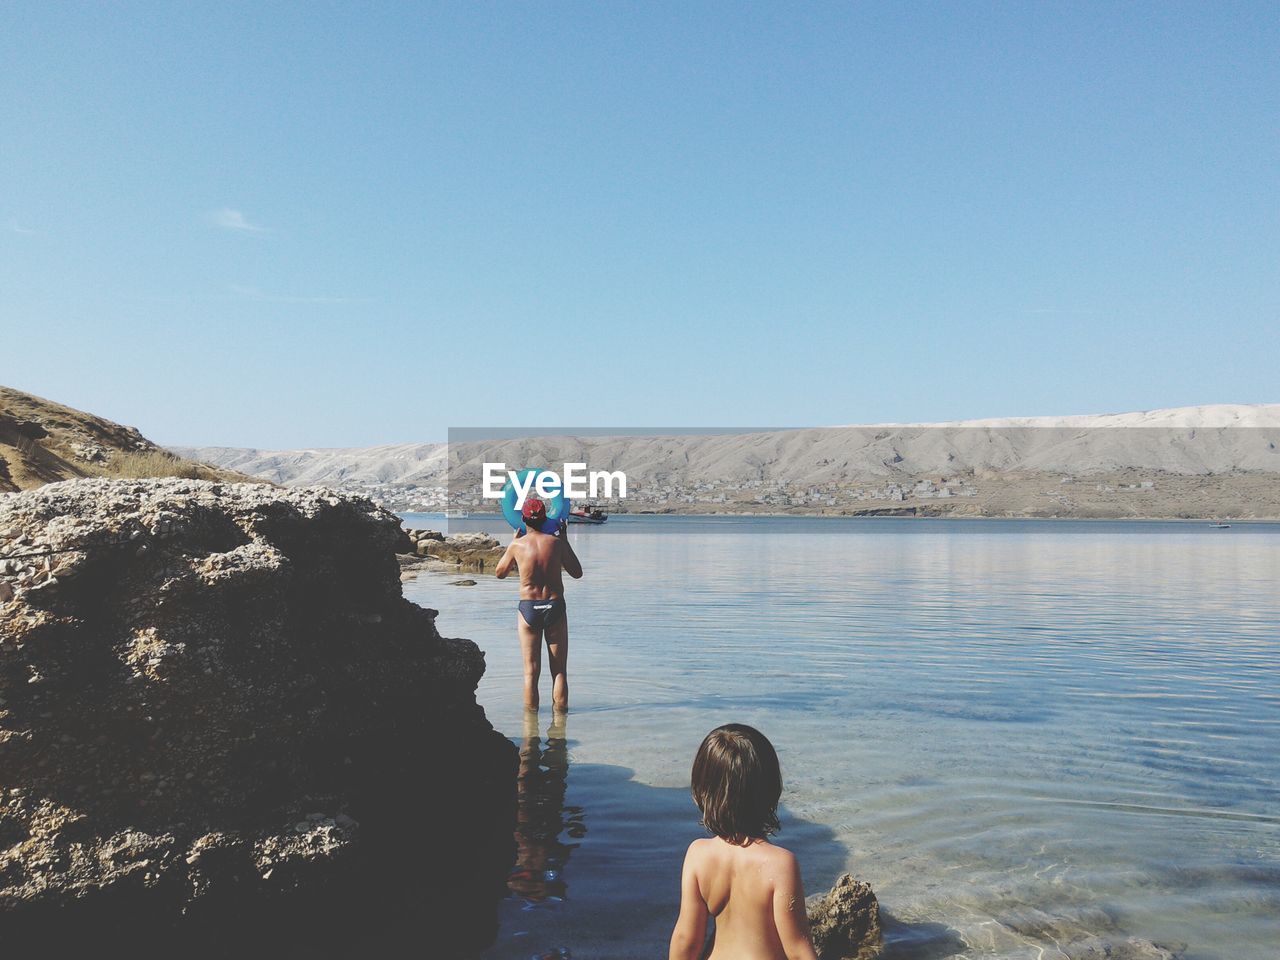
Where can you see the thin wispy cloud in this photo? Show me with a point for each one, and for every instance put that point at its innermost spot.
(15, 227)
(235, 220)
(260, 296)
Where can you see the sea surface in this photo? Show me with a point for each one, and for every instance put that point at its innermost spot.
(1022, 733)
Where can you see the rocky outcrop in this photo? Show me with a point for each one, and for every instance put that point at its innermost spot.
(223, 729)
(472, 552)
(845, 921)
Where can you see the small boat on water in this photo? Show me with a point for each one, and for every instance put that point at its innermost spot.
(456, 515)
(1220, 526)
(587, 514)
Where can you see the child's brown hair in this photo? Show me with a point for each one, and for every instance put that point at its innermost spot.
(737, 783)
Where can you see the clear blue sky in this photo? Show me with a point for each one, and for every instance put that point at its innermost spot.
(331, 224)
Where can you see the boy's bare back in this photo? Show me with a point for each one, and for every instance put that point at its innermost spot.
(755, 894)
(539, 558)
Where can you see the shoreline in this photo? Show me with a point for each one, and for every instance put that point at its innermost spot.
(1260, 521)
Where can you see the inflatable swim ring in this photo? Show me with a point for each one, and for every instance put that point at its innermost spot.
(557, 506)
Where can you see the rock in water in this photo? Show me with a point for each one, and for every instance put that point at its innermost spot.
(845, 921)
(476, 552)
(223, 729)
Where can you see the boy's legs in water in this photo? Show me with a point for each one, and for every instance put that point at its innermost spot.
(531, 647)
(558, 653)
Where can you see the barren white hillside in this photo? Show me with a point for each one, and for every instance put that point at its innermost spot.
(1204, 416)
(1188, 441)
(389, 463)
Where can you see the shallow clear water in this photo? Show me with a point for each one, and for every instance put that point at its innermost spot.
(984, 719)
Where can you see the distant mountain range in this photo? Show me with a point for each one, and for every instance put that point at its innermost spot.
(416, 463)
(1217, 461)
(1227, 457)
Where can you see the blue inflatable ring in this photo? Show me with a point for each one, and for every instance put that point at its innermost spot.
(557, 506)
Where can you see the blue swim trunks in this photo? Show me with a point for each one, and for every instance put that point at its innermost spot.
(541, 614)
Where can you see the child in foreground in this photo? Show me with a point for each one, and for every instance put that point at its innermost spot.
(749, 885)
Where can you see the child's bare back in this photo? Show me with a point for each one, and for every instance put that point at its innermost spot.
(755, 895)
(750, 886)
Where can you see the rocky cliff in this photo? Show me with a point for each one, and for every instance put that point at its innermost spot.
(223, 729)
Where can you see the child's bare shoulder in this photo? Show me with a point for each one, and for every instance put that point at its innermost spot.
(779, 858)
(699, 849)
(781, 853)
(697, 857)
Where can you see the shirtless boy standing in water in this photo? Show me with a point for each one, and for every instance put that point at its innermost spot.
(540, 558)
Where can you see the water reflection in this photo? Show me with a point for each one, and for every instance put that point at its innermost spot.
(542, 816)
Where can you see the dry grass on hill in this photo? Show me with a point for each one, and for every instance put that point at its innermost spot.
(43, 442)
